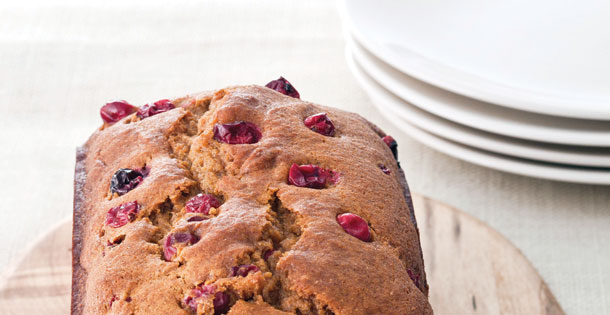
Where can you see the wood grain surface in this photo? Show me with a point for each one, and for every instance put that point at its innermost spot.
(471, 269)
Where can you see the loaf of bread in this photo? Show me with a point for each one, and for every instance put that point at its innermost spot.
(244, 200)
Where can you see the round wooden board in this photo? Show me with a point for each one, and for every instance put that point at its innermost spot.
(471, 269)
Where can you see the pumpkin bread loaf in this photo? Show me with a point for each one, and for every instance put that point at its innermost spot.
(244, 200)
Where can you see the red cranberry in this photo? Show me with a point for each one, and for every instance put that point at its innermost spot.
(126, 179)
(355, 226)
(202, 204)
(196, 219)
(321, 124)
(202, 292)
(112, 300)
(169, 251)
(115, 111)
(391, 143)
(283, 86)
(157, 107)
(268, 254)
(122, 214)
(310, 176)
(240, 132)
(413, 277)
(384, 169)
(243, 270)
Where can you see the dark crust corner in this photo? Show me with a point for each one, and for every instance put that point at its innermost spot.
(79, 274)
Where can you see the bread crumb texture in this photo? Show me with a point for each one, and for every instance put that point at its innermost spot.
(270, 247)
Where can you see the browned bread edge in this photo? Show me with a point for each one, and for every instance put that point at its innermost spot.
(79, 275)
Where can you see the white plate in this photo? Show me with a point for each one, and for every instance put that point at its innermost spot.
(487, 159)
(484, 116)
(545, 56)
(582, 156)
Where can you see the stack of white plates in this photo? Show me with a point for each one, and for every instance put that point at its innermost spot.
(518, 86)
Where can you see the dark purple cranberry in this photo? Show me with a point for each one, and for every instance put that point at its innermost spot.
(243, 270)
(157, 107)
(355, 226)
(384, 169)
(202, 203)
(310, 176)
(126, 179)
(202, 292)
(221, 303)
(413, 277)
(240, 132)
(196, 219)
(115, 111)
(122, 214)
(268, 254)
(392, 145)
(321, 124)
(169, 251)
(128, 299)
(283, 86)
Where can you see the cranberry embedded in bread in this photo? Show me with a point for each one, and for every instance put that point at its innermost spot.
(156, 108)
(283, 86)
(321, 124)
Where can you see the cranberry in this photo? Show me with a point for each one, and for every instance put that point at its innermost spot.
(115, 111)
(268, 254)
(112, 300)
(202, 204)
(157, 107)
(196, 219)
(321, 124)
(355, 226)
(392, 145)
(413, 277)
(202, 292)
(384, 169)
(283, 86)
(128, 299)
(243, 270)
(169, 251)
(126, 179)
(240, 132)
(122, 214)
(310, 176)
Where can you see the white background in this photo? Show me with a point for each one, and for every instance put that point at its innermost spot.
(61, 60)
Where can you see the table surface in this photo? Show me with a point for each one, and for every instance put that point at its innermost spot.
(61, 60)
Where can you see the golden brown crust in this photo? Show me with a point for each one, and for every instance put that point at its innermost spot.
(316, 268)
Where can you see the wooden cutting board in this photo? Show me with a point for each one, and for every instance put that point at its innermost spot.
(471, 269)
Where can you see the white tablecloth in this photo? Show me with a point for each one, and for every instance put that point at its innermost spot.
(61, 60)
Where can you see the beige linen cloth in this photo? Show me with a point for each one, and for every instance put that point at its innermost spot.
(61, 60)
